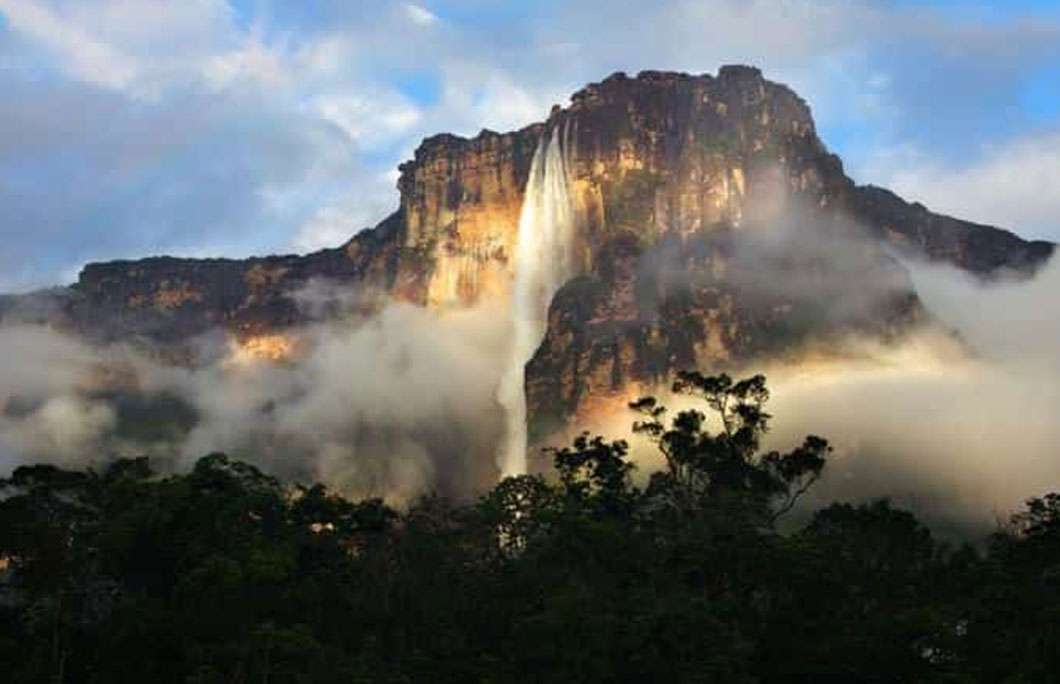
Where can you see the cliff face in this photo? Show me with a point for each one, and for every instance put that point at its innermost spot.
(165, 301)
(461, 201)
(712, 227)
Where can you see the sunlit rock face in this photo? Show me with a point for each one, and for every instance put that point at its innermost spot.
(461, 200)
(672, 153)
(275, 348)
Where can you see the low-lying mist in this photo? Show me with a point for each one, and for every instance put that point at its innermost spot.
(394, 405)
(957, 421)
(961, 438)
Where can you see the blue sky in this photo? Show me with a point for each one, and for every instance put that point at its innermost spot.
(232, 127)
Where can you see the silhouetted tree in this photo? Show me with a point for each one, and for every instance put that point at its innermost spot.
(726, 462)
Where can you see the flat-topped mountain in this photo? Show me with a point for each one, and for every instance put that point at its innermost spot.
(705, 224)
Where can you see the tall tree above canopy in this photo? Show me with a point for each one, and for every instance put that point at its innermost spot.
(703, 461)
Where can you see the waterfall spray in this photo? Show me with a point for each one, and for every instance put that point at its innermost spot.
(543, 262)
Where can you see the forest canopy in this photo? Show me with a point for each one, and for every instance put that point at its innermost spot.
(227, 574)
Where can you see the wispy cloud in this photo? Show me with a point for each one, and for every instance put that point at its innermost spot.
(81, 55)
(369, 119)
(144, 48)
(420, 15)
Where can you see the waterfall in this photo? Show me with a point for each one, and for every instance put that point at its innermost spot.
(543, 262)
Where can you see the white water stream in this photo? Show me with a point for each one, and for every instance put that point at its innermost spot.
(543, 262)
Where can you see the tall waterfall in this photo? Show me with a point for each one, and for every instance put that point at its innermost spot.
(543, 262)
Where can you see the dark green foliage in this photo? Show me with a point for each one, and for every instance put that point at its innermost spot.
(224, 574)
(1014, 630)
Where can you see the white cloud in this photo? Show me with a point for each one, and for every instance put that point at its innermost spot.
(1015, 184)
(82, 55)
(368, 199)
(370, 119)
(252, 62)
(143, 47)
(173, 28)
(325, 56)
(475, 96)
(328, 227)
(420, 15)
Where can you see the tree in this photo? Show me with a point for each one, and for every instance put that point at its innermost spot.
(1013, 632)
(859, 598)
(48, 519)
(727, 462)
(596, 474)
